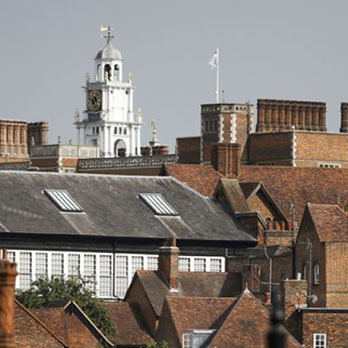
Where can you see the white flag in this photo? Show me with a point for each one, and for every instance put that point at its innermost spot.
(214, 61)
(103, 28)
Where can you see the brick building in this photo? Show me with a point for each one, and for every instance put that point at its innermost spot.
(110, 226)
(288, 133)
(17, 138)
(194, 309)
(321, 254)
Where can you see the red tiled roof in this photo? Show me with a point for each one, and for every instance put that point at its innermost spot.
(54, 318)
(31, 332)
(130, 324)
(330, 221)
(239, 323)
(299, 185)
(246, 325)
(193, 284)
(189, 313)
(72, 325)
(201, 178)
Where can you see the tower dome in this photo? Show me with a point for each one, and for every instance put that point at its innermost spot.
(109, 52)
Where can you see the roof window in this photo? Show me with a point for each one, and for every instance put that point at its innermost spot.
(158, 204)
(63, 200)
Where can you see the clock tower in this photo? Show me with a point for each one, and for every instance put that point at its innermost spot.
(109, 121)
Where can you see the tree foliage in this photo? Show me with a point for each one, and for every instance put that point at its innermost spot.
(45, 291)
(154, 344)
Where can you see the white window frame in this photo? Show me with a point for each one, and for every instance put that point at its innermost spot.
(316, 274)
(207, 262)
(187, 340)
(320, 336)
(129, 275)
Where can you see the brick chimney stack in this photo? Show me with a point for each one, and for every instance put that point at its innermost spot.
(8, 273)
(169, 263)
(226, 158)
(344, 118)
(294, 295)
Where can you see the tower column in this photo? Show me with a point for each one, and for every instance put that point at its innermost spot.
(295, 113)
(315, 118)
(23, 135)
(138, 142)
(260, 117)
(322, 119)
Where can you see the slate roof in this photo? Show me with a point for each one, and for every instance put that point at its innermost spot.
(130, 324)
(112, 208)
(248, 188)
(299, 185)
(193, 284)
(202, 178)
(330, 222)
(234, 195)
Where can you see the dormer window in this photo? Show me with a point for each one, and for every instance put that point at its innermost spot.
(157, 203)
(196, 338)
(63, 201)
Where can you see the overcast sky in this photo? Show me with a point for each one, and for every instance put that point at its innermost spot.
(294, 49)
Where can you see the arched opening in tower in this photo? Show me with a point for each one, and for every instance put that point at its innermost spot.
(107, 72)
(116, 72)
(120, 148)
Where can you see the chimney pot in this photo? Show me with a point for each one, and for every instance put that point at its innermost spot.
(268, 298)
(282, 225)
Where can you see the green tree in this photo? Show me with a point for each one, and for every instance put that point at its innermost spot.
(154, 344)
(346, 207)
(45, 291)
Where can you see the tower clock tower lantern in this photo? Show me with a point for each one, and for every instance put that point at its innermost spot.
(109, 121)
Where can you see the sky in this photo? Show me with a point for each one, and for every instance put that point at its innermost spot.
(286, 49)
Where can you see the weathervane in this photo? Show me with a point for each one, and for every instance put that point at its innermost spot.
(108, 28)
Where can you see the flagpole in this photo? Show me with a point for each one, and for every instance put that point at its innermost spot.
(217, 76)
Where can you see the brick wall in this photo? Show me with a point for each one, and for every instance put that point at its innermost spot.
(336, 274)
(334, 325)
(270, 148)
(260, 203)
(242, 135)
(189, 150)
(225, 158)
(314, 148)
(307, 232)
(137, 295)
(281, 267)
(166, 329)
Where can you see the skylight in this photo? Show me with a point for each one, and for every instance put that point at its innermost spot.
(63, 200)
(158, 204)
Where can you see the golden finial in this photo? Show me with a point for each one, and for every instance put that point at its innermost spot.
(130, 77)
(154, 130)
